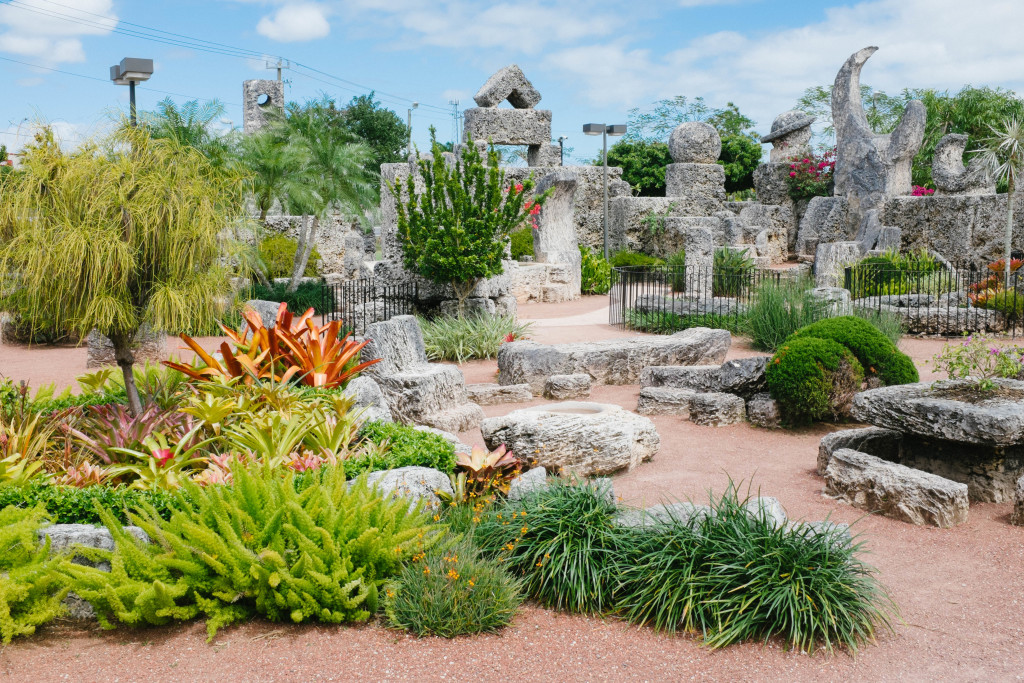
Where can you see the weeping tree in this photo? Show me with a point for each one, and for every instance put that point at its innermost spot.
(116, 235)
(1003, 155)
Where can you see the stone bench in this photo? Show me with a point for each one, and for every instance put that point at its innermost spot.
(611, 361)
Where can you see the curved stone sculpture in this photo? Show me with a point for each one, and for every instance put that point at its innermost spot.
(949, 173)
(870, 167)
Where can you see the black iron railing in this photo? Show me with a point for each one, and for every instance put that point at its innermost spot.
(361, 302)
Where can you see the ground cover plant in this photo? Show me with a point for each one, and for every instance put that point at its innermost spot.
(978, 359)
(895, 273)
(478, 335)
(727, 574)
(257, 547)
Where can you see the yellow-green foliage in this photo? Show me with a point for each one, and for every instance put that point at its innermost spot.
(30, 590)
(278, 255)
(317, 551)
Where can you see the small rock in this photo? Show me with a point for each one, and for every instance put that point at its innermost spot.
(701, 378)
(415, 483)
(665, 401)
(496, 394)
(1018, 504)
(565, 387)
(763, 411)
(717, 409)
(744, 376)
(769, 508)
(533, 480)
(687, 514)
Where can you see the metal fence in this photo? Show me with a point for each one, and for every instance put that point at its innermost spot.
(673, 298)
(939, 298)
(361, 302)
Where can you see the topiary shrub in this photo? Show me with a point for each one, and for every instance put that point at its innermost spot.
(522, 243)
(278, 255)
(879, 357)
(452, 592)
(814, 379)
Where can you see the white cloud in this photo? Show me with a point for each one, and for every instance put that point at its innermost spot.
(52, 32)
(295, 22)
(923, 44)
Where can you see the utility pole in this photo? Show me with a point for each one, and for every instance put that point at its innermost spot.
(456, 137)
(415, 105)
(281, 64)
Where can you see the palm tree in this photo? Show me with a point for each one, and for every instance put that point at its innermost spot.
(191, 125)
(1003, 155)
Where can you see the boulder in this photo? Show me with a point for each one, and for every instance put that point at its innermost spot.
(695, 142)
(612, 361)
(933, 409)
(1017, 517)
(564, 387)
(266, 310)
(496, 394)
(743, 376)
(902, 493)
(717, 409)
(831, 260)
(767, 508)
(835, 300)
(882, 443)
(530, 481)
(763, 411)
(414, 483)
(370, 399)
(508, 83)
(665, 401)
(695, 378)
(585, 438)
(684, 513)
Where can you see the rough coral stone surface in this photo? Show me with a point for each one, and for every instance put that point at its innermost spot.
(370, 399)
(695, 142)
(496, 394)
(612, 361)
(883, 443)
(414, 483)
(564, 387)
(717, 409)
(533, 480)
(1017, 517)
(933, 410)
(763, 411)
(508, 126)
(684, 513)
(508, 83)
(665, 401)
(150, 346)
(580, 437)
(893, 490)
(743, 376)
(695, 181)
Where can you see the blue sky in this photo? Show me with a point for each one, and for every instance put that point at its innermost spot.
(592, 60)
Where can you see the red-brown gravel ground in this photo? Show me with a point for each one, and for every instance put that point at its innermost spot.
(960, 591)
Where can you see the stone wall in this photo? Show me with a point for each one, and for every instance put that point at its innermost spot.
(340, 241)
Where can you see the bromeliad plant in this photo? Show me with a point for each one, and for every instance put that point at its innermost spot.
(294, 349)
(487, 473)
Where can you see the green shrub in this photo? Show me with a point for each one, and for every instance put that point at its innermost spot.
(452, 592)
(734, 576)
(278, 255)
(479, 335)
(622, 259)
(408, 447)
(70, 505)
(732, 272)
(1009, 303)
(30, 590)
(257, 547)
(315, 295)
(595, 272)
(892, 273)
(813, 379)
(667, 322)
(522, 243)
(877, 355)
(562, 540)
(779, 309)
(677, 270)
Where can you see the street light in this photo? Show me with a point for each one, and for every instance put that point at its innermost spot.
(415, 105)
(561, 149)
(604, 130)
(130, 71)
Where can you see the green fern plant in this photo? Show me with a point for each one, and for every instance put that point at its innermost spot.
(30, 590)
(267, 546)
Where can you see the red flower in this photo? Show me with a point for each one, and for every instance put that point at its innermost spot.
(792, 174)
(510, 337)
(519, 187)
(162, 455)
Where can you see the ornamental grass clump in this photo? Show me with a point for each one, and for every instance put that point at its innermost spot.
(453, 591)
(733, 576)
(562, 541)
(470, 337)
(262, 546)
(780, 308)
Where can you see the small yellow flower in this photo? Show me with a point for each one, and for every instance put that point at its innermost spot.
(524, 529)
(437, 518)
(472, 583)
(476, 520)
(453, 575)
(426, 570)
(540, 564)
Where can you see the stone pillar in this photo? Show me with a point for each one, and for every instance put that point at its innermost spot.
(554, 240)
(695, 148)
(831, 260)
(259, 97)
(700, 254)
(544, 155)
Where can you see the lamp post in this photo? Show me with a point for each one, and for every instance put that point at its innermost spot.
(408, 145)
(130, 71)
(561, 149)
(604, 130)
